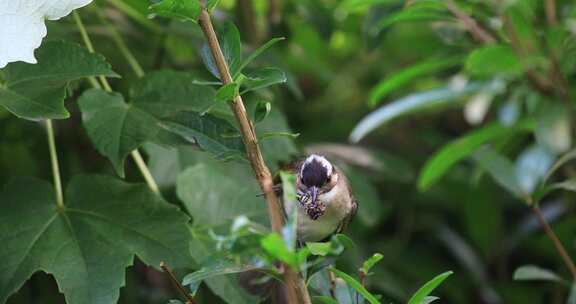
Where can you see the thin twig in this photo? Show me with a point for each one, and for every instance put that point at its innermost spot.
(557, 243)
(477, 31)
(135, 154)
(55, 165)
(176, 283)
(296, 288)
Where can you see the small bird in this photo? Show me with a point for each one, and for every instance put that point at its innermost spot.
(326, 204)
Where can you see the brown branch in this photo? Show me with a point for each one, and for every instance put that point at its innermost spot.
(247, 20)
(550, 9)
(181, 289)
(557, 243)
(477, 31)
(296, 289)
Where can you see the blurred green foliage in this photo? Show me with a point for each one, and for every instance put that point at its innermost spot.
(452, 120)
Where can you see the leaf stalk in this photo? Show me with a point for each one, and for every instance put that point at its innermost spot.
(55, 165)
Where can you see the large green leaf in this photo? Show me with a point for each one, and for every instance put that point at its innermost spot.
(225, 286)
(212, 134)
(167, 92)
(36, 91)
(452, 153)
(87, 245)
(214, 198)
(115, 127)
(404, 76)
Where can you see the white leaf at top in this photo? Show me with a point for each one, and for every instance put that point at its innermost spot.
(22, 25)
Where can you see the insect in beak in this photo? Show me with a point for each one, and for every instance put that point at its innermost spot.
(313, 194)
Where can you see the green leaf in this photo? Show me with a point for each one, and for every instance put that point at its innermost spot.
(500, 168)
(535, 273)
(214, 196)
(406, 75)
(274, 245)
(493, 60)
(218, 268)
(437, 98)
(269, 135)
(231, 47)
(532, 166)
(37, 91)
(255, 54)
(211, 4)
(553, 128)
(570, 155)
(426, 10)
(87, 245)
(289, 198)
(212, 134)
(319, 248)
(179, 9)
(227, 92)
(261, 111)
(168, 92)
(356, 285)
(572, 295)
(425, 290)
(369, 263)
(226, 286)
(262, 78)
(324, 300)
(115, 127)
(437, 166)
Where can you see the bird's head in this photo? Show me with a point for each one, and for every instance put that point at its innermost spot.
(316, 177)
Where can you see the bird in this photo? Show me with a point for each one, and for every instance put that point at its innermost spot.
(325, 202)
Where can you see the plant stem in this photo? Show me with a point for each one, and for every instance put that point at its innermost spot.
(119, 41)
(550, 9)
(135, 154)
(477, 31)
(89, 46)
(144, 170)
(55, 165)
(557, 243)
(134, 14)
(296, 288)
(181, 289)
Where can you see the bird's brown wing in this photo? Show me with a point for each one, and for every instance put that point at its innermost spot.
(344, 224)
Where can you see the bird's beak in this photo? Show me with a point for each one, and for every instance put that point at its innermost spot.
(313, 191)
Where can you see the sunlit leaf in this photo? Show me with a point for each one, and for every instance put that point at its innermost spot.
(418, 102)
(532, 166)
(437, 166)
(424, 291)
(370, 262)
(406, 75)
(535, 273)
